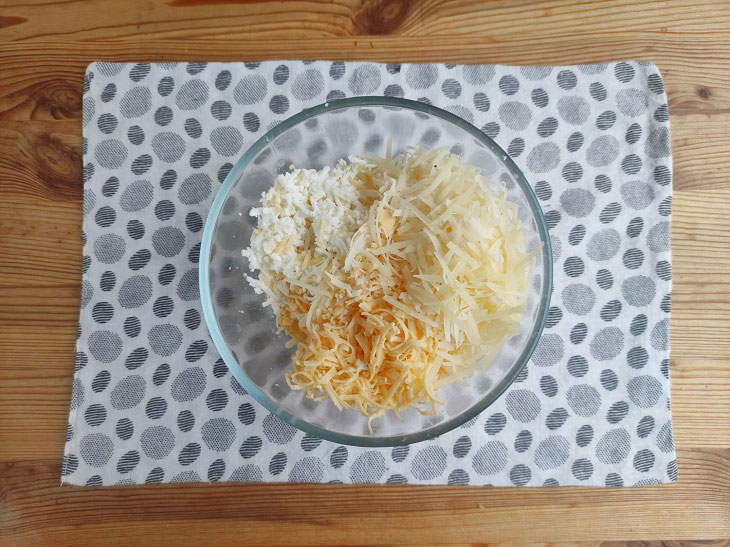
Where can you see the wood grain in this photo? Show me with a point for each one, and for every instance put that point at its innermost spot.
(45, 46)
(330, 514)
(260, 20)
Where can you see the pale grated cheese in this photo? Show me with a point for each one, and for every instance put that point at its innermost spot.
(393, 275)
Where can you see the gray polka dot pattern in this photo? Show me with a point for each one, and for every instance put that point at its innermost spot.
(152, 401)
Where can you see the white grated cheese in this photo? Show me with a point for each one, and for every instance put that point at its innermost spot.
(322, 208)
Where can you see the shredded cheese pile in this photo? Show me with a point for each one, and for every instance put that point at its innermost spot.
(393, 275)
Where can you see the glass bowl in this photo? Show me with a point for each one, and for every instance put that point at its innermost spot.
(244, 331)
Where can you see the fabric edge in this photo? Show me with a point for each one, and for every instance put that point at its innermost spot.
(73, 412)
(650, 66)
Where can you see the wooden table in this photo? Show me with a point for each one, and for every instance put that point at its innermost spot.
(44, 48)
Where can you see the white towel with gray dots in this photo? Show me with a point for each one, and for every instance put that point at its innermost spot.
(152, 402)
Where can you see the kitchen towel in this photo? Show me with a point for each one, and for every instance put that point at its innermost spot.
(152, 402)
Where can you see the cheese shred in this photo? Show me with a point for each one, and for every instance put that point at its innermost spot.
(394, 276)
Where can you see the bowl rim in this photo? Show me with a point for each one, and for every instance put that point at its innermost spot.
(255, 391)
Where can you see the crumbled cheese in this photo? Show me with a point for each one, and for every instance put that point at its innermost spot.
(321, 208)
(394, 275)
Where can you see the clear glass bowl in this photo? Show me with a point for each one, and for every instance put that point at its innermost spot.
(244, 331)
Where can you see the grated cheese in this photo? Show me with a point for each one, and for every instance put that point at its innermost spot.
(393, 275)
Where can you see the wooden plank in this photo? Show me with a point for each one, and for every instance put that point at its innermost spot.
(696, 506)
(41, 160)
(27, 20)
(36, 366)
(695, 68)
